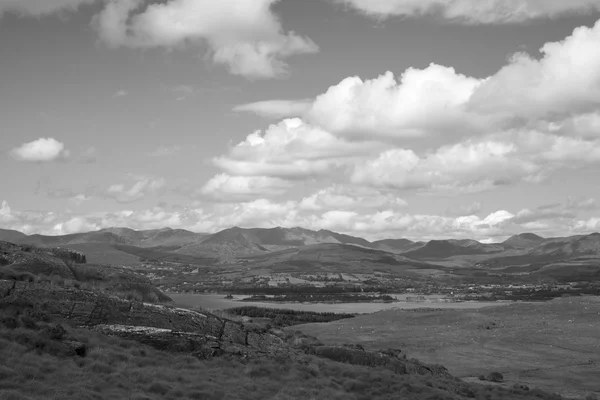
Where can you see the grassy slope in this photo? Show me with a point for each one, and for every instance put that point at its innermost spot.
(553, 345)
(104, 253)
(120, 369)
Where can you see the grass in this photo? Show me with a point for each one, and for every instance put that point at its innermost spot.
(553, 345)
(112, 368)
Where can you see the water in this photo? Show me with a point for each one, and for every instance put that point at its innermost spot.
(219, 302)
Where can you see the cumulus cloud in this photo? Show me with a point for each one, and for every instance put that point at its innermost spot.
(478, 164)
(37, 8)
(565, 81)
(41, 150)
(246, 36)
(291, 149)
(276, 109)
(423, 102)
(475, 11)
(142, 187)
(239, 188)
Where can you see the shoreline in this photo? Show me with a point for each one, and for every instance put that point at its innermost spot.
(218, 302)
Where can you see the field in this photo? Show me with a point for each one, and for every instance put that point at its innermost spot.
(35, 364)
(553, 345)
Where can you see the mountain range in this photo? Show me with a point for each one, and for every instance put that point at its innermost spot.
(239, 242)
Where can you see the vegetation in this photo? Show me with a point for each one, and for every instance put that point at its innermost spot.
(321, 298)
(34, 365)
(282, 318)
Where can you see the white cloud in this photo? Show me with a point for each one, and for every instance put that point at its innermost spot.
(482, 164)
(276, 109)
(37, 8)
(587, 226)
(41, 150)
(142, 187)
(244, 35)
(475, 11)
(291, 149)
(424, 102)
(240, 188)
(121, 93)
(565, 81)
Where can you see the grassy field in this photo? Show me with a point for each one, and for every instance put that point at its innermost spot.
(553, 345)
(113, 368)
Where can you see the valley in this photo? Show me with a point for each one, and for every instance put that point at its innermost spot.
(526, 308)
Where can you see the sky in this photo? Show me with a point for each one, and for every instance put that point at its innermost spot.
(418, 119)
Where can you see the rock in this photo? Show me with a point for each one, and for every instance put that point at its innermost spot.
(162, 327)
(495, 377)
(180, 330)
(34, 261)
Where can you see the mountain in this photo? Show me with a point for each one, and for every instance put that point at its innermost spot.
(122, 236)
(523, 241)
(11, 236)
(397, 245)
(237, 241)
(436, 249)
(570, 246)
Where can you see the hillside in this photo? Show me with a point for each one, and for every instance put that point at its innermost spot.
(523, 241)
(84, 344)
(525, 342)
(438, 249)
(397, 245)
(67, 267)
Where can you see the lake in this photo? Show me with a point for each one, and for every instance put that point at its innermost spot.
(219, 302)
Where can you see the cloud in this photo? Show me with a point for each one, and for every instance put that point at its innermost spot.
(41, 150)
(347, 197)
(586, 226)
(121, 93)
(424, 102)
(276, 109)
(478, 164)
(441, 105)
(38, 8)
(243, 35)
(365, 220)
(564, 82)
(142, 187)
(464, 209)
(79, 199)
(243, 188)
(475, 12)
(291, 149)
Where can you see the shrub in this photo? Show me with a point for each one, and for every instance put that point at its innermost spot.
(495, 377)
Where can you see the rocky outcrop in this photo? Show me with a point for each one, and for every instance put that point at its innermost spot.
(163, 327)
(33, 260)
(392, 359)
(180, 330)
